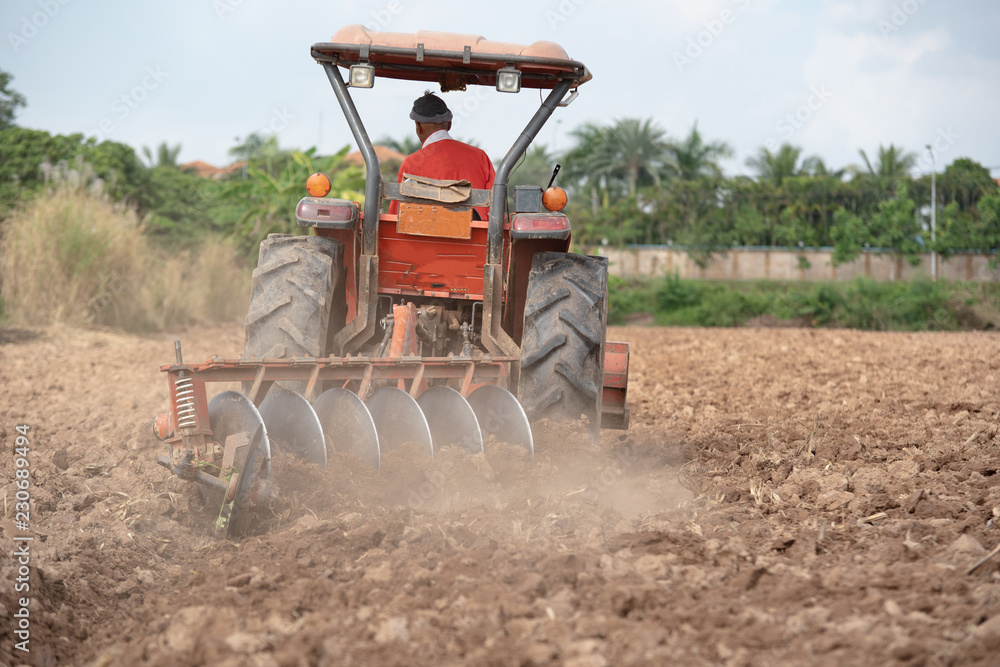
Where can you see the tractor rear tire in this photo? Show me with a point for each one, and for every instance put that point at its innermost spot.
(562, 347)
(291, 296)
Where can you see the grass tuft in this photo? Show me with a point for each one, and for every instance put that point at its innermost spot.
(70, 256)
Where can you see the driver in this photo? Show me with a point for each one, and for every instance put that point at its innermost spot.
(441, 156)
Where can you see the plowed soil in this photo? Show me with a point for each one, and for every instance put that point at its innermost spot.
(783, 497)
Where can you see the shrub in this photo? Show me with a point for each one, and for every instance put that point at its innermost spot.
(860, 304)
(725, 307)
(626, 297)
(676, 293)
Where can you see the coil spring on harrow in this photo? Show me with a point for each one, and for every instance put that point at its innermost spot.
(185, 401)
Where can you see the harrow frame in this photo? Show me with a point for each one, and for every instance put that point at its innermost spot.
(471, 372)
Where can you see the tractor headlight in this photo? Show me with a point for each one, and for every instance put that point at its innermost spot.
(509, 79)
(362, 76)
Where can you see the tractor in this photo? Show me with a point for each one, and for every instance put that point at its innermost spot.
(428, 326)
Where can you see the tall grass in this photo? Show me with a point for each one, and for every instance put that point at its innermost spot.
(71, 256)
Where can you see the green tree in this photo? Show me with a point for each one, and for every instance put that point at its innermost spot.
(180, 208)
(963, 182)
(978, 230)
(849, 235)
(23, 152)
(166, 155)
(989, 214)
(265, 203)
(638, 150)
(893, 226)
(125, 177)
(631, 152)
(261, 151)
(251, 149)
(775, 167)
(892, 165)
(577, 165)
(696, 159)
(818, 168)
(10, 100)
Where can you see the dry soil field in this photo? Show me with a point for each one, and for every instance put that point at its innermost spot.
(784, 497)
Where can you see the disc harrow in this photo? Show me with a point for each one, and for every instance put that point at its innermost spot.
(436, 313)
(363, 407)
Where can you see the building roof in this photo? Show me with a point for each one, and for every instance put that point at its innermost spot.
(206, 170)
(384, 153)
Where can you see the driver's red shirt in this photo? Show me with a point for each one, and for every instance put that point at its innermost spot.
(450, 159)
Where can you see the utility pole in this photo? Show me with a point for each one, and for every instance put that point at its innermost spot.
(933, 214)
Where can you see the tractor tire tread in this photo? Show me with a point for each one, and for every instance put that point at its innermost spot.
(562, 346)
(587, 332)
(539, 404)
(546, 302)
(543, 350)
(273, 266)
(267, 308)
(292, 292)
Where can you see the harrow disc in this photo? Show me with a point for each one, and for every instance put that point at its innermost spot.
(231, 412)
(237, 516)
(451, 419)
(501, 416)
(348, 425)
(398, 419)
(292, 426)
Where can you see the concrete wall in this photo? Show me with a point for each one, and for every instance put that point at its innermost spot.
(781, 264)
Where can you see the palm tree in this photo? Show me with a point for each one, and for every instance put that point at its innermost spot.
(578, 162)
(891, 164)
(635, 150)
(774, 168)
(818, 169)
(695, 158)
(630, 152)
(166, 155)
(616, 159)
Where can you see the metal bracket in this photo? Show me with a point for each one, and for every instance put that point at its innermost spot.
(311, 385)
(569, 100)
(363, 52)
(257, 382)
(420, 52)
(417, 379)
(467, 55)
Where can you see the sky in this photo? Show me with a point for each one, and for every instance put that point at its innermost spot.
(830, 76)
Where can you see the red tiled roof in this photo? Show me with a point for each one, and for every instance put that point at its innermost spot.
(384, 153)
(206, 170)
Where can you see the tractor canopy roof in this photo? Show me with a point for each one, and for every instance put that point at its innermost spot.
(453, 60)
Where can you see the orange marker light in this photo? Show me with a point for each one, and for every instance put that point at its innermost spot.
(554, 199)
(318, 185)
